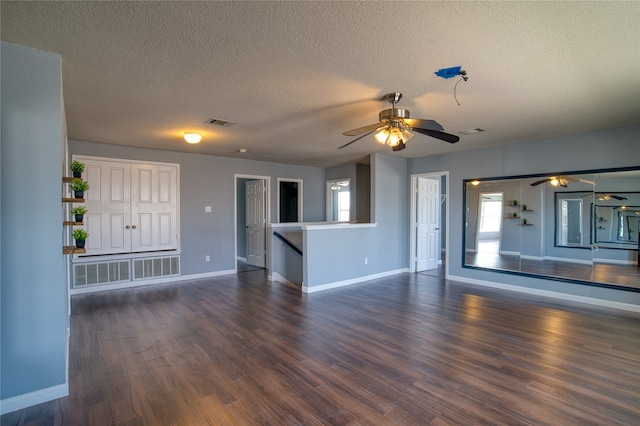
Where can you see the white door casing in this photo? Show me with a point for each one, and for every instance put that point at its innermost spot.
(256, 222)
(427, 224)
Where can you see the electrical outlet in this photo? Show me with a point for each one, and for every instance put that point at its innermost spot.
(207, 209)
(366, 260)
(207, 258)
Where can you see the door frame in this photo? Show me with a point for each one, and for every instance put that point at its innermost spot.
(413, 204)
(267, 216)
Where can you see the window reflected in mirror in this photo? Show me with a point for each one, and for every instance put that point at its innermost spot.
(570, 222)
(490, 223)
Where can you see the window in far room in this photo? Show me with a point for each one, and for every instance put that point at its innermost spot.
(338, 200)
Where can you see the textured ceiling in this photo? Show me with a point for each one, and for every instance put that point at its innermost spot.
(295, 75)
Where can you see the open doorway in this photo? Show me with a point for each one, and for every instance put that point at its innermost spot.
(289, 200)
(429, 223)
(252, 216)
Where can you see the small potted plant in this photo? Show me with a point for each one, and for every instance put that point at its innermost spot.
(78, 187)
(524, 207)
(515, 202)
(524, 220)
(78, 212)
(80, 235)
(77, 168)
(515, 214)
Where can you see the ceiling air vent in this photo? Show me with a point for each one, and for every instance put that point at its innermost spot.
(221, 122)
(472, 131)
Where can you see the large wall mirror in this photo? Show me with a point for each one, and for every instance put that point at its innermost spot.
(580, 226)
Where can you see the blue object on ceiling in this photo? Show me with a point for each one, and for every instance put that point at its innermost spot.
(448, 72)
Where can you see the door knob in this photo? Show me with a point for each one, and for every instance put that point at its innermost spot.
(437, 229)
(133, 227)
(127, 227)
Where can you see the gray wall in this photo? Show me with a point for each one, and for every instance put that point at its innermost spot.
(34, 309)
(207, 180)
(336, 255)
(610, 148)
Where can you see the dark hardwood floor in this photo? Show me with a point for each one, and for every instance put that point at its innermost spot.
(411, 349)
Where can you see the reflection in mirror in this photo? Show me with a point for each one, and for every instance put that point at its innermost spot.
(493, 220)
(628, 219)
(338, 200)
(578, 227)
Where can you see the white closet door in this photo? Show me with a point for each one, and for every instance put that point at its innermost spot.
(108, 205)
(153, 207)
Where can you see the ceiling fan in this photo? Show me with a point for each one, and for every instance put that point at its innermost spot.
(603, 196)
(561, 181)
(395, 124)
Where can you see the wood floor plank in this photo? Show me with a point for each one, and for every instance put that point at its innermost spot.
(410, 349)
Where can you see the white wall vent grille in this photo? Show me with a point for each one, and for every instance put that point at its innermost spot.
(100, 273)
(118, 271)
(156, 267)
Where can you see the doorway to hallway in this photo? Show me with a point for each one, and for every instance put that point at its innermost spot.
(252, 216)
(428, 224)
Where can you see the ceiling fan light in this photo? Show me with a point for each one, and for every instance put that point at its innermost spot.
(395, 137)
(382, 136)
(554, 182)
(406, 135)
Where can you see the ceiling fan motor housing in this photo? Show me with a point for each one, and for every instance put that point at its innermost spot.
(393, 114)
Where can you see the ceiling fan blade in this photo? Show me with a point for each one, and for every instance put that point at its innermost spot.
(357, 139)
(438, 134)
(423, 124)
(617, 197)
(541, 181)
(356, 132)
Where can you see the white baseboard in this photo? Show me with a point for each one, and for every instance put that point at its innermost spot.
(337, 284)
(138, 283)
(19, 402)
(614, 261)
(569, 260)
(547, 293)
(274, 276)
(529, 257)
(241, 259)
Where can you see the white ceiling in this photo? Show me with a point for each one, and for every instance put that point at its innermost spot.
(295, 75)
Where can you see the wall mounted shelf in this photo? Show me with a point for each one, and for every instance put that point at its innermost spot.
(73, 250)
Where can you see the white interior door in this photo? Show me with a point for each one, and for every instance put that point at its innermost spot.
(153, 207)
(108, 205)
(256, 222)
(428, 224)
